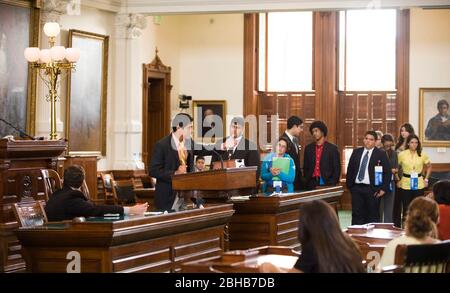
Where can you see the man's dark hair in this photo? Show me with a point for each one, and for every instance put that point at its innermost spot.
(74, 176)
(373, 133)
(294, 121)
(387, 137)
(237, 120)
(320, 125)
(199, 158)
(442, 102)
(181, 120)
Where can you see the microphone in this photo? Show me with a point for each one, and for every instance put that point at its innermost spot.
(21, 132)
(220, 157)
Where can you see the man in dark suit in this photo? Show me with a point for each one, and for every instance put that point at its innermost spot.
(69, 202)
(321, 165)
(237, 147)
(173, 154)
(292, 134)
(366, 192)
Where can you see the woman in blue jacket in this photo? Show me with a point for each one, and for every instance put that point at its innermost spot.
(268, 172)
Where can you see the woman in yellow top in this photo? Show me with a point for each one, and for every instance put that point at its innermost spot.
(416, 168)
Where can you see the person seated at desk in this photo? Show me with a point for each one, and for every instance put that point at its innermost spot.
(268, 172)
(325, 248)
(199, 164)
(420, 228)
(441, 194)
(70, 202)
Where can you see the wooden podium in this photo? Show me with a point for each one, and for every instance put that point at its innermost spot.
(217, 185)
(20, 181)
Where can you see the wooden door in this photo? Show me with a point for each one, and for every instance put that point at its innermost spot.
(155, 105)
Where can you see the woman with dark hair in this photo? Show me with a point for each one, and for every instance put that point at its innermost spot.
(405, 130)
(413, 163)
(441, 193)
(270, 174)
(387, 200)
(325, 248)
(420, 228)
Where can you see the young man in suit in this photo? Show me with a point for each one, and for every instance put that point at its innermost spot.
(292, 134)
(173, 154)
(69, 202)
(321, 165)
(237, 147)
(365, 189)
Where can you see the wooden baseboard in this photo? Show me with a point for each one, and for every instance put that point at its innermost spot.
(440, 167)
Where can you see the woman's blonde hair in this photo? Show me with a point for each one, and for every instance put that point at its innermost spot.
(422, 218)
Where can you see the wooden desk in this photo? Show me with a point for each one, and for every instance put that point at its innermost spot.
(21, 162)
(243, 261)
(373, 239)
(159, 243)
(273, 220)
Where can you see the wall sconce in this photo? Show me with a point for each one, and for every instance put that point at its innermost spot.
(52, 61)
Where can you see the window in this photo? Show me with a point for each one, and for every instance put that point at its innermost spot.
(285, 51)
(367, 50)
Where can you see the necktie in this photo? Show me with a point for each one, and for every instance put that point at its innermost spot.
(295, 141)
(182, 153)
(362, 168)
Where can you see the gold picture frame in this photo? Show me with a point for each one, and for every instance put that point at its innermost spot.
(203, 132)
(434, 129)
(87, 94)
(19, 28)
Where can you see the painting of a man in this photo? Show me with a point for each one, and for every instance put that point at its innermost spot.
(438, 127)
(209, 117)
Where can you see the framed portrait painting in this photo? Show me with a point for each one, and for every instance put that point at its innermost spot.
(19, 29)
(209, 120)
(86, 98)
(434, 117)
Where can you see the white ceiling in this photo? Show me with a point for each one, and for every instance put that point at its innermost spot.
(218, 6)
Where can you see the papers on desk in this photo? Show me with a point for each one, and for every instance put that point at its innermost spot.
(240, 198)
(362, 227)
(153, 213)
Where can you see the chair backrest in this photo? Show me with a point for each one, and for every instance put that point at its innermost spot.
(52, 181)
(124, 191)
(30, 214)
(424, 258)
(147, 182)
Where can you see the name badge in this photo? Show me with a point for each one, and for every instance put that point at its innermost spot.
(277, 186)
(378, 175)
(414, 181)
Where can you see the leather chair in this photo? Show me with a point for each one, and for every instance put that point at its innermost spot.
(124, 191)
(422, 258)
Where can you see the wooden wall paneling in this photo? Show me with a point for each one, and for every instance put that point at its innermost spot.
(325, 64)
(402, 66)
(250, 64)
